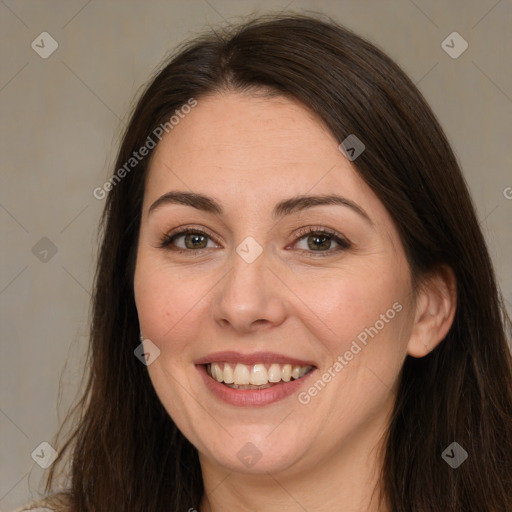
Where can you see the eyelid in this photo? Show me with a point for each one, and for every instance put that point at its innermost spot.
(317, 229)
(166, 239)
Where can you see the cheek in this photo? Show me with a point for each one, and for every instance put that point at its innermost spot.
(167, 301)
(366, 306)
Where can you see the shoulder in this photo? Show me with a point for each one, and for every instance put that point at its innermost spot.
(34, 508)
(56, 503)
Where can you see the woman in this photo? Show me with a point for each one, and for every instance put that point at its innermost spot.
(294, 304)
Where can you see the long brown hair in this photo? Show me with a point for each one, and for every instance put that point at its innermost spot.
(126, 454)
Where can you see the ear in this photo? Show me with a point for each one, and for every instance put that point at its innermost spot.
(436, 303)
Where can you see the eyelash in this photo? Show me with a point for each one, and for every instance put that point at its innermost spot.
(343, 242)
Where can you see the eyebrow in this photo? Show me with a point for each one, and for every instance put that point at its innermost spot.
(285, 207)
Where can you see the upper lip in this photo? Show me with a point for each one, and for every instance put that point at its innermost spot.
(253, 358)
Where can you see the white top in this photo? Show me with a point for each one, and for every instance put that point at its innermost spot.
(38, 509)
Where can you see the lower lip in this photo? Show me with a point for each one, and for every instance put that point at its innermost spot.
(252, 397)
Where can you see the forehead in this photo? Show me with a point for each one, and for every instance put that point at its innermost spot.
(244, 131)
(253, 150)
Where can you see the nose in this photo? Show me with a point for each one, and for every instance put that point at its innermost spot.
(250, 297)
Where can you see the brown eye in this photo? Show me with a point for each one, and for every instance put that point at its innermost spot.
(188, 240)
(195, 241)
(321, 241)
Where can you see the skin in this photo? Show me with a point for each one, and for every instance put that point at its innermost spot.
(249, 152)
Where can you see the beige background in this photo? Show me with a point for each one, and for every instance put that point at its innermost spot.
(61, 118)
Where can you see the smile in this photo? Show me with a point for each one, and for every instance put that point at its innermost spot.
(256, 376)
(253, 380)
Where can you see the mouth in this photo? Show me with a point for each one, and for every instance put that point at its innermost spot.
(253, 379)
(256, 376)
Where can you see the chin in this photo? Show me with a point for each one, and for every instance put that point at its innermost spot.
(257, 450)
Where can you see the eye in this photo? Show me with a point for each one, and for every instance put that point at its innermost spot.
(188, 239)
(322, 241)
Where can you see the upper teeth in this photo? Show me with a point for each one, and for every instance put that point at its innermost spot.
(257, 374)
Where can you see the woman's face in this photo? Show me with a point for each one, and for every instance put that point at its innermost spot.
(276, 282)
